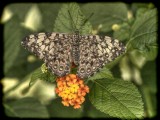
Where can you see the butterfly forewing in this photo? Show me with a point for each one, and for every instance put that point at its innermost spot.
(53, 48)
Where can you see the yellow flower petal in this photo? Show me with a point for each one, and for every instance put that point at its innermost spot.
(72, 90)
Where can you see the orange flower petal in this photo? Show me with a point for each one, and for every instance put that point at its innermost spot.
(65, 103)
(77, 106)
(72, 90)
(72, 76)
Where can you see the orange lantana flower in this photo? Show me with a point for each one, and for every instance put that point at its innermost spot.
(72, 90)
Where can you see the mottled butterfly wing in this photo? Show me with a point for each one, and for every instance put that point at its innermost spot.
(53, 48)
(95, 52)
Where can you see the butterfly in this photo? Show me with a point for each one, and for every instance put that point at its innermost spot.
(58, 50)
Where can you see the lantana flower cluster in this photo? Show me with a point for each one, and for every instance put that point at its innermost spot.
(72, 90)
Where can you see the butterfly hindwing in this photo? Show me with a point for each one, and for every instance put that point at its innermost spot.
(53, 48)
(88, 59)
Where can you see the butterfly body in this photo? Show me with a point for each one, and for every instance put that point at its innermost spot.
(59, 50)
(75, 47)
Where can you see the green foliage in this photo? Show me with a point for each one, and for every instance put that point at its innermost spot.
(117, 98)
(110, 96)
(143, 34)
(26, 108)
(70, 19)
(149, 88)
(123, 33)
(106, 14)
(104, 73)
(10, 45)
(38, 74)
(68, 112)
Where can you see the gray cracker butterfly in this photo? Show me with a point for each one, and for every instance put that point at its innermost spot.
(59, 50)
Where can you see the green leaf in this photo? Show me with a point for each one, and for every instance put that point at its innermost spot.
(123, 33)
(149, 76)
(57, 109)
(131, 66)
(70, 19)
(110, 65)
(26, 108)
(48, 76)
(20, 9)
(51, 12)
(151, 54)
(140, 12)
(11, 48)
(91, 111)
(33, 19)
(126, 69)
(144, 32)
(106, 14)
(117, 98)
(103, 73)
(137, 58)
(14, 56)
(29, 14)
(35, 76)
(38, 74)
(136, 6)
(94, 113)
(149, 87)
